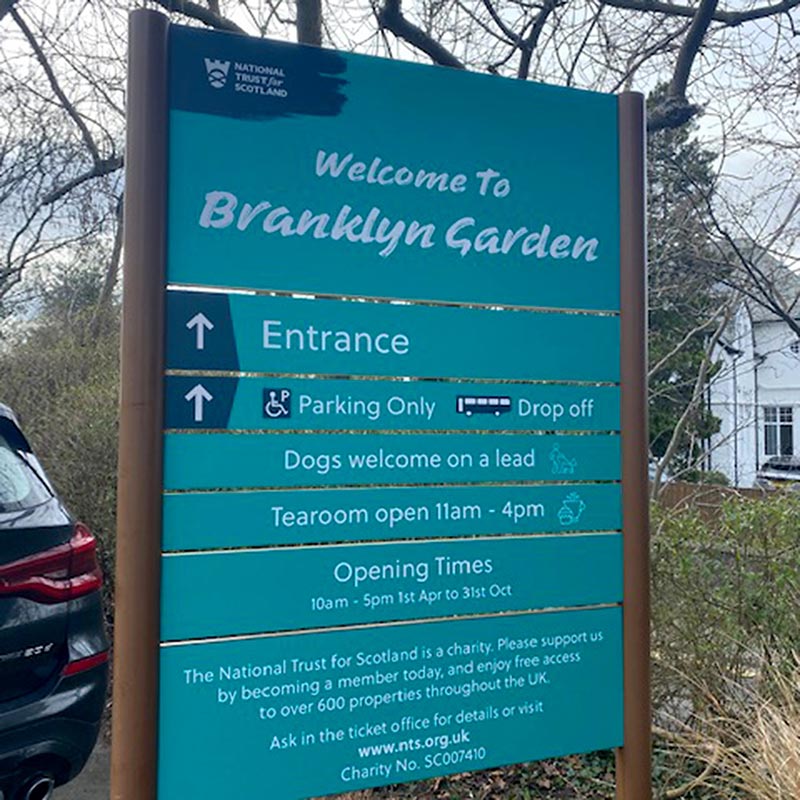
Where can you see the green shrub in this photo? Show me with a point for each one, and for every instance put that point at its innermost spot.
(726, 594)
(711, 477)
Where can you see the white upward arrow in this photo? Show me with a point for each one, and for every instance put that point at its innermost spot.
(201, 323)
(199, 394)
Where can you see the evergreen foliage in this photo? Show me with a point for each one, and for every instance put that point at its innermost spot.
(682, 276)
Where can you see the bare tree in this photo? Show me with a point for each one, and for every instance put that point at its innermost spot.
(734, 69)
(61, 91)
(63, 76)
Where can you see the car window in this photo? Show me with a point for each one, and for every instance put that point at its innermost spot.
(20, 485)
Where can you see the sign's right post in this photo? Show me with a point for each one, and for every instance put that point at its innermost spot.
(634, 759)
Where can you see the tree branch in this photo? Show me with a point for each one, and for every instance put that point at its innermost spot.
(584, 42)
(390, 16)
(202, 14)
(498, 20)
(690, 48)
(778, 232)
(662, 362)
(694, 402)
(72, 112)
(764, 293)
(103, 167)
(762, 289)
(671, 113)
(112, 273)
(730, 18)
(529, 45)
(309, 22)
(638, 59)
(675, 110)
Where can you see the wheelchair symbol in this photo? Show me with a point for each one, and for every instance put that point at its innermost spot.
(277, 403)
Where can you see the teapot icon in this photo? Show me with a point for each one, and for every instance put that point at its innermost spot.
(571, 509)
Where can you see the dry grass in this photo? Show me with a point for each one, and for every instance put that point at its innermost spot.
(756, 754)
(355, 796)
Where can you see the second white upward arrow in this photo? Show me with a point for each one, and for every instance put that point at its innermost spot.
(201, 323)
(199, 394)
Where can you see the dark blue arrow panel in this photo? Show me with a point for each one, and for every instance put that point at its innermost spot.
(188, 347)
(212, 410)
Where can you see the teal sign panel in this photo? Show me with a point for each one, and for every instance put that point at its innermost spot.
(260, 333)
(289, 170)
(304, 213)
(249, 403)
(216, 520)
(293, 588)
(385, 704)
(231, 461)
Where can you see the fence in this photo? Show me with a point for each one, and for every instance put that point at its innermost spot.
(704, 498)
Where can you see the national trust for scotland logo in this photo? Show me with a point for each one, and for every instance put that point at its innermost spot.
(217, 72)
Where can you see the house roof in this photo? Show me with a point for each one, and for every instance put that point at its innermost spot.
(782, 283)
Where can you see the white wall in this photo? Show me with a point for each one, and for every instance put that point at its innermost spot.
(779, 375)
(732, 399)
(764, 373)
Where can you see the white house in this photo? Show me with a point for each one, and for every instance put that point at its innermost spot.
(756, 391)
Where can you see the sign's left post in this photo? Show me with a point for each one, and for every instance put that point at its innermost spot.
(136, 628)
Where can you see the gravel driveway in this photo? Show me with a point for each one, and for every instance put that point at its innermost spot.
(93, 782)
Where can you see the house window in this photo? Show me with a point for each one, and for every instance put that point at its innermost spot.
(795, 347)
(778, 431)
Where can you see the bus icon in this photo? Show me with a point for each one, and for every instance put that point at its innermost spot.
(488, 404)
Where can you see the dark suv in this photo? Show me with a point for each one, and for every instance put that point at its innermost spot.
(53, 648)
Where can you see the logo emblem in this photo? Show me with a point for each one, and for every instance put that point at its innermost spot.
(217, 72)
(277, 403)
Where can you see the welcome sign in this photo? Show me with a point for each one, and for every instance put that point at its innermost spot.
(389, 400)
(365, 173)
